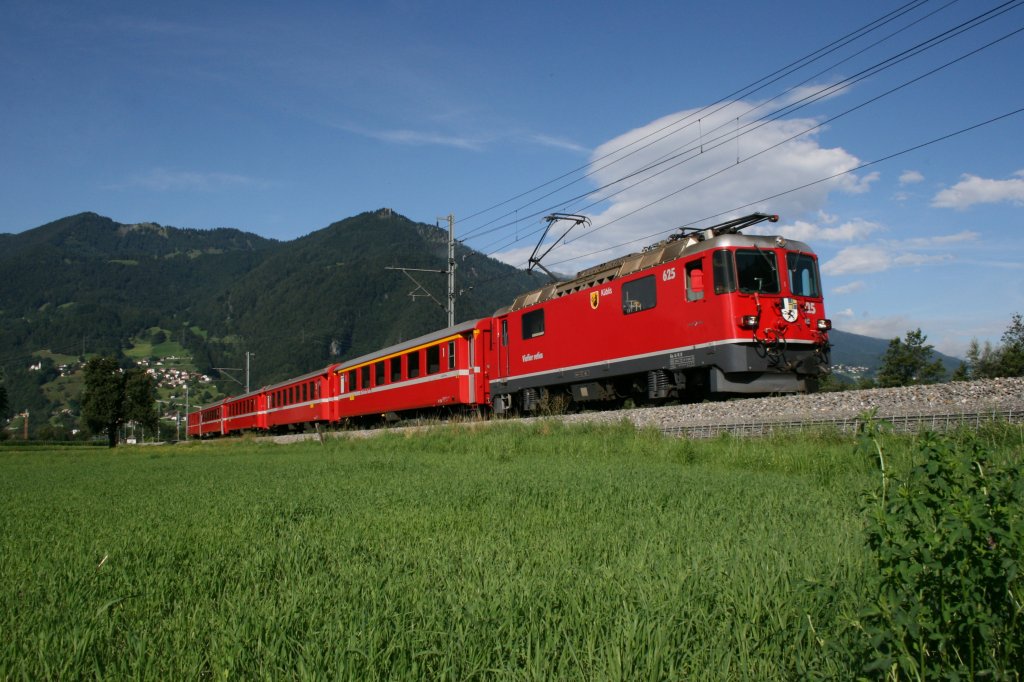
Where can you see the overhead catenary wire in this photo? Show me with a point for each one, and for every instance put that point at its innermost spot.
(734, 209)
(744, 91)
(726, 138)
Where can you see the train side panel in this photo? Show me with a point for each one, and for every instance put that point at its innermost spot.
(441, 372)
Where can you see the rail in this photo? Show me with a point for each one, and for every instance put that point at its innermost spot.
(899, 423)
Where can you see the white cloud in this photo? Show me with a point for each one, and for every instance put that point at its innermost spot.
(893, 254)
(911, 177)
(860, 260)
(880, 328)
(809, 232)
(423, 138)
(163, 180)
(557, 143)
(916, 259)
(939, 241)
(701, 180)
(976, 190)
(851, 288)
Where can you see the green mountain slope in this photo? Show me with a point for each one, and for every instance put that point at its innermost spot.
(87, 284)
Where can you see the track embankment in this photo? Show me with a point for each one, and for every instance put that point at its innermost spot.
(936, 407)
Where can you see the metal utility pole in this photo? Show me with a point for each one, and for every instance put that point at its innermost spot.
(421, 291)
(451, 269)
(247, 356)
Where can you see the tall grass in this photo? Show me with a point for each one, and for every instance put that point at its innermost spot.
(506, 552)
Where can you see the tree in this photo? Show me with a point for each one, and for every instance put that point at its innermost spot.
(113, 396)
(103, 397)
(140, 399)
(3, 399)
(1006, 360)
(1011, 353)
(910, 362)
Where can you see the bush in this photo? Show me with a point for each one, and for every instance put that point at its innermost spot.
(948, 543)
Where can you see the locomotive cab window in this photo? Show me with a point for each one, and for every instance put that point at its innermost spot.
(638, 295)
(757, 271)
(533, 324)
(723, 272)
(803, 275)
(694, 281)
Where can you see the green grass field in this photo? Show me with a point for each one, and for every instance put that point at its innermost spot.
(507, 552)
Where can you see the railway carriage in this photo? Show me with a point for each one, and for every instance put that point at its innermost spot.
(300, 401)
(207, 421)
(438, 371)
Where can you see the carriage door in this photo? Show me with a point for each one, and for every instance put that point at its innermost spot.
(503, 347)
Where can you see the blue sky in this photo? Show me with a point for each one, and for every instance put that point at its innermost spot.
(281, 118)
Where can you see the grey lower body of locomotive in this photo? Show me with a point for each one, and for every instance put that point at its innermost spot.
(736, 368)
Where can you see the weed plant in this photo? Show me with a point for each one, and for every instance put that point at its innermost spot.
(510, 551)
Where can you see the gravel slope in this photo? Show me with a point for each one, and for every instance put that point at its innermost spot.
(950, 398)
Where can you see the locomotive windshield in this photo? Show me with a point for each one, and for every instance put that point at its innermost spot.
(803, 274)
(757, 272)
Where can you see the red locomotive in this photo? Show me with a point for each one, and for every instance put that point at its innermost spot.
(705, 312)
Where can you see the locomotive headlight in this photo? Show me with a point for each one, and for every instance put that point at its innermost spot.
(824, 325)
(748, 322)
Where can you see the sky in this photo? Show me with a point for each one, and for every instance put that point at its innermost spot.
(888, 136)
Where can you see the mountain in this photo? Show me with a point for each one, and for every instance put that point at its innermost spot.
(856, 355)
(87, 284)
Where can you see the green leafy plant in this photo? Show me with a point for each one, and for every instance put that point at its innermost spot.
(948, 542)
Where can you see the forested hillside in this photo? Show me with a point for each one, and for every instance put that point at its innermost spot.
(86, 284)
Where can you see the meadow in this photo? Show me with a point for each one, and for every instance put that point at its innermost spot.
(513, 551)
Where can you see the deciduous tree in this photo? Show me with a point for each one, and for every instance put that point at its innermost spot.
(910, 362)
(103, 397)
(140, 399)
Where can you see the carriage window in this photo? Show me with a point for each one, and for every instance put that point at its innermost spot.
(305, 396)
(724, 272)
(451, 355)
(757, 271)
(533, 324)
(803, 275)
(694, 281)
(378, 372)
(414, 364)
(433, 359)
(396, 369)
(364, 376)
(640, 294)
(351, 380)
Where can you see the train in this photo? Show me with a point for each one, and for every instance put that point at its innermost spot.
(707, 312)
